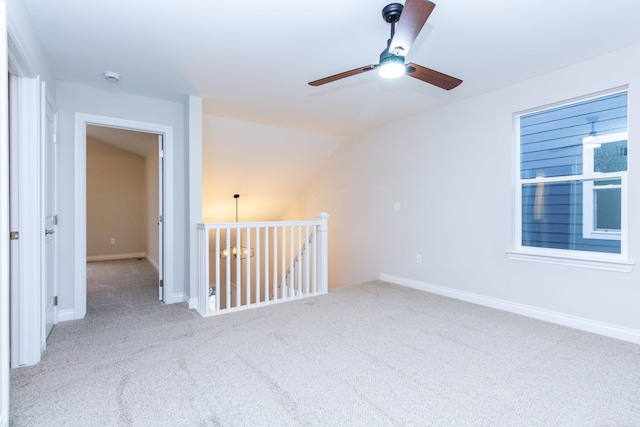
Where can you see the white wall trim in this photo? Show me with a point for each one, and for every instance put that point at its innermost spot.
(184, 299)
(64, 315)
(80, 198)
(19, 64)
(116, 256)
(549, 258)
(191, 302)
(27, 299)
(602, 328)
(4, 223)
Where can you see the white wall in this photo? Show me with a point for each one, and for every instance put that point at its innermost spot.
(74, 98)
(452, 171)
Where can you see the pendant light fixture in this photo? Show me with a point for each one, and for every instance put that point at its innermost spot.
(243, 251)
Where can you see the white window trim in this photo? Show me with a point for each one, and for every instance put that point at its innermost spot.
(589, 144)
(594, 260)
(570, 258)
(589, 230)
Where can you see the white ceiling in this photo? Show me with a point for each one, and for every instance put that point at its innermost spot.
(252, 59)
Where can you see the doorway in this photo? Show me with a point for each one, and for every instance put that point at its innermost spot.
(165, 224)
(124, 212)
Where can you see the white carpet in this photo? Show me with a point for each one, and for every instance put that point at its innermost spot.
(369, 354)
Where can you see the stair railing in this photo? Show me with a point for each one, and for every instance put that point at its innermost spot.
(246, 265)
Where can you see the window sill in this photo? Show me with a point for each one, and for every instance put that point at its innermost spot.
(610, 265)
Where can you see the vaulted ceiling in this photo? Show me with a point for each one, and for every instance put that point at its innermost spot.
(251, 60)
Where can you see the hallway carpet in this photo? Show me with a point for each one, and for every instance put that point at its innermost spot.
(125, 282)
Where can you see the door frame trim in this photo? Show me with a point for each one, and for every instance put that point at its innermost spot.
(80, 197)
(27, 335)
(4, 223)
(48, 107)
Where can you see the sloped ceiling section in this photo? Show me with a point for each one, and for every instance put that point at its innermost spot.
(267, 165)
(251, 60)
(139, 143)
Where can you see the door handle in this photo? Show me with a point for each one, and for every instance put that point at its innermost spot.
(46, 231)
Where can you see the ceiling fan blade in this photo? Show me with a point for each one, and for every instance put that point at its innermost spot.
(343, 75)
(434, 77)
(413, 17)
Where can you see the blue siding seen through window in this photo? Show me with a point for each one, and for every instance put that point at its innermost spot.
(551, 145)
(552, 218)
(551, 140)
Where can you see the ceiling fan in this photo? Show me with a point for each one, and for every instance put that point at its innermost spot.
(414, 15)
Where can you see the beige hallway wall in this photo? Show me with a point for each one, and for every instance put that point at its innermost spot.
(116, 201)
(153, 191)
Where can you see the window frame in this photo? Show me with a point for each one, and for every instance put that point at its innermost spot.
(588, 259)
(589, 200)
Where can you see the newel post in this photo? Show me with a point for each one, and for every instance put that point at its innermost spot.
(323, 251)
(203, 269)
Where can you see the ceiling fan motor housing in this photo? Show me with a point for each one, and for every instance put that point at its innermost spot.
(391, 12)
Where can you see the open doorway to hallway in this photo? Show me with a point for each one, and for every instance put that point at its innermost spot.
(124, 232)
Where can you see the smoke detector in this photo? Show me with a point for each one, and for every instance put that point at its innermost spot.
(112, 76)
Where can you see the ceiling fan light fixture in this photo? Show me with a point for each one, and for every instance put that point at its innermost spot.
(392, 67)
(406, 22)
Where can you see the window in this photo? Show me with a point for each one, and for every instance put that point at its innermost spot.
(572, 179)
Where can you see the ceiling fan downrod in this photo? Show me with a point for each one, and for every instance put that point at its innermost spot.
(391, 14)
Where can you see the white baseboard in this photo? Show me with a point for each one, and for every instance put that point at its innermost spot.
(4, 421)
(175, 298)
(116, 256)
(597, 327)
(183, 299)
(65, 315)
(191, 302)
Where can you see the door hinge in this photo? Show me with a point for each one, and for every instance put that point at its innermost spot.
(14, 235)
(55, 300)
(161, 218)
(161, 152)
(55, 220)
(55, 138)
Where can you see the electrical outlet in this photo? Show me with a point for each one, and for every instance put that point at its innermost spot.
(396, 206)
(113, 241)
(418, 259)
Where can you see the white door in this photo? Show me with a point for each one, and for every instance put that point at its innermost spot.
(160, 219)
(51, 219)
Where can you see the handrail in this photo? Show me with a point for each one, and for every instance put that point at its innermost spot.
(213, 225)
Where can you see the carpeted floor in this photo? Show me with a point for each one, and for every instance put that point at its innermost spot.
(126, 282)
(369, 354)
